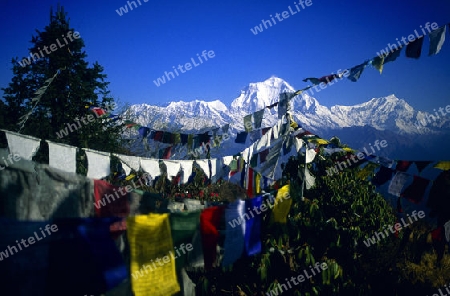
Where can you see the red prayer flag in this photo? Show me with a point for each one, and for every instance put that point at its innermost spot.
(111, 202)
(209, 222)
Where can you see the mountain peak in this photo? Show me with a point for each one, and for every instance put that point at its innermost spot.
(274, 81)
(258, 95)
(385, 113)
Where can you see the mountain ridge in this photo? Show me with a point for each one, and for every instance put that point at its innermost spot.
(386, 114)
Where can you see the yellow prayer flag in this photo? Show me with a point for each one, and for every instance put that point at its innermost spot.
(366, 171)
(257, 183)
(128, 178)
(322, 141)
(378, 63)
(152, 259)
(282, 206)
(443, 165)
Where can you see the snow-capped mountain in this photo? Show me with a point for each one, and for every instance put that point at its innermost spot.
(186, 116)
(258, 95)
(388, 114)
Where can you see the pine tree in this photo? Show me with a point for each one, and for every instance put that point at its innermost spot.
(38, 106)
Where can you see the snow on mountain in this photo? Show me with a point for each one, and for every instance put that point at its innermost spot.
(311, 115)
(389, 114)
(259, 95)
(186, 116)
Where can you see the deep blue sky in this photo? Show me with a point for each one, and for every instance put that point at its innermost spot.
(139, 46)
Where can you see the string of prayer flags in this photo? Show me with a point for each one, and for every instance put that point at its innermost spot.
(192, 140)
(324, 79)
(23, 119)
(413, 50)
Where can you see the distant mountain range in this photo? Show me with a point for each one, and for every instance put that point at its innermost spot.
(408, 132)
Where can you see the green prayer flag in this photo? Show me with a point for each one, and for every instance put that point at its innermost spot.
(183, 226)
(248, 123)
